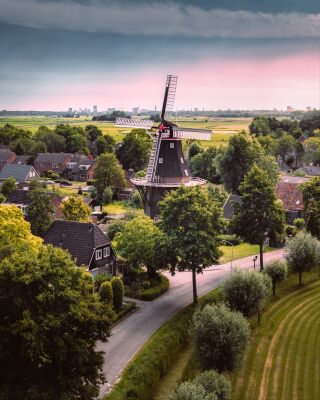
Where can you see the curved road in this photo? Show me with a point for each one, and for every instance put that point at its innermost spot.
(129, 335)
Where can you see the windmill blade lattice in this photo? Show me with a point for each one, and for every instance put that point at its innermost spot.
(134, 123)
(169, 94)
(191, 133)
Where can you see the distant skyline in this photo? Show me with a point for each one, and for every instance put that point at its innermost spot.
(228, 54)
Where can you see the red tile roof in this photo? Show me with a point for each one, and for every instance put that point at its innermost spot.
(290, 195)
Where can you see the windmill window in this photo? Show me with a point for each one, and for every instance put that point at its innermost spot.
(171, 145)
(186, 172)
(98, 254)
(106, 252)
(160, 160)
(182, 160)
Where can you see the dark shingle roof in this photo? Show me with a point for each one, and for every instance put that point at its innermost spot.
(5, 155)
(52, 157)
(21, 160)
(228, 208)
(79, 238)
(17, 171)
(18, 196)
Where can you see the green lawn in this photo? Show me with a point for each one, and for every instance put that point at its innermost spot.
(240, 251)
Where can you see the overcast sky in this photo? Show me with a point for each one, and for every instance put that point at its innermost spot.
(238, 54)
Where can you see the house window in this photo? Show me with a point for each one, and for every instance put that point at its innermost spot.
(54, 165)
(106, 252)
(160, 160)
(182, 160)
(186, 172)
(98, 254)
(82, 177)
(94, 272)
(171, 145)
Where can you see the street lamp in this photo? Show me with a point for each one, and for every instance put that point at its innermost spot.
(231, 244)
(254, 261)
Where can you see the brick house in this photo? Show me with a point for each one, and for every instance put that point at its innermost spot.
(80, 168)
(21, 173)
(6, 157)
(55, 162)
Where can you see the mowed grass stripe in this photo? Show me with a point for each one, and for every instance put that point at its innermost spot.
(314, 357)
(283, 349)
(293, 360)
(250, 379)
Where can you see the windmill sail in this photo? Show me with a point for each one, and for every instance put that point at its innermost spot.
(169, 95)
(191, 133)
(134, 123)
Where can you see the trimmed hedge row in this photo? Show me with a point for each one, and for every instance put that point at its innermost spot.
(158, 355)
(156, 291)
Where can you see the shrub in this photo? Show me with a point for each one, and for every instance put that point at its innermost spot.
(220, 337)
(140, 174)
(90, 182)
(291, 230)
(136, 200)
(155, 288)
(245, 291)
(190, 391)
(105, 292)
(277, 272)
(114, 227)
(99, 279)
(8, 186)
(214, 383)
(117, 291)
(107, 195)
(2, 197)
(299, 223)
(302, 253)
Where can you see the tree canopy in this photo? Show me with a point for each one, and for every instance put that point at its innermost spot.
(40, 211)
(74, 208)
(311, 202)
(108, 173)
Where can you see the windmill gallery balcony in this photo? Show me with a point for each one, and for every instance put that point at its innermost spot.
(168, 182)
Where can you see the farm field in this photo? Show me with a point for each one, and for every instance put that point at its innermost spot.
(222, 127)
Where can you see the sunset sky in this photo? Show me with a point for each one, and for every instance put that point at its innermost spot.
(237, 54)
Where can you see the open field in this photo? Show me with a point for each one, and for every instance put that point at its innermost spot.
(222, 127)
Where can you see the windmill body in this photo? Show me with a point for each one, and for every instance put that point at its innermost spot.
(167, 169)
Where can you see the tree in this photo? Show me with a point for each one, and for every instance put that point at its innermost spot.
(38, 147)
(246, 291)
(259, 126)
(78, 144)
(135, 150)
(312, 150)
(105, 144)
(105, 293)
(54, 142)
(219, 336)
(269, 164)
(75, 209)
(259, 215)
(310, 121)
(138, 244)
(203, 164)
(8, 186)
(283, 146)
(302, 253)
(136, 200)
(40, 211)
(237, 160)
(93, 132)
(108, 173)
(2, 197)
(191, 222)
(311, 203)
(277, 272)
(117, 291)
(214, 383)
(50, 322)
(217, 194)
(15, 230)
(194, 149)
(190, 391)
(107, 195)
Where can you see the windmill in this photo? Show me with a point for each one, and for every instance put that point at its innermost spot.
(167, 169)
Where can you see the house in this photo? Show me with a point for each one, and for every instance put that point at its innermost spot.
(21, 199)
(22, 160)
(228, 208)
(311, 170)
(302, 138)
(55, 162)
(86, 243)
(79, 168)
(6, 157)
(95, 205)
(21, 173)
(287, 190)
(93, 149)
(124, 194)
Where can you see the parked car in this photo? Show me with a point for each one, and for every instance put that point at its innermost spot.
(64, 182)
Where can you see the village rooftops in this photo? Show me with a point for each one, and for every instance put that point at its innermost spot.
(20, 173)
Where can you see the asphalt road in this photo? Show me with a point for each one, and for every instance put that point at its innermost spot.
(129, 335)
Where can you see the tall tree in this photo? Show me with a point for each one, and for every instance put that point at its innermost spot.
(8, 186)
(203, 164)
(191, 223)
(312, 150)
(93, 132)
(40, 211)
(284, 146)
(50, 322)
(237, 160)
(259, 215)
(75, 209)
(135, 150)
(108, 173)
(311, 202)
(105, 144)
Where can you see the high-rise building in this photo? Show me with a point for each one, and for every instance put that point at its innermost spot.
(95, 111)
(70, 110)
(290, 109)
(308, 109)
(135, 110)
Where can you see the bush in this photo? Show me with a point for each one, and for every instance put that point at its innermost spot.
(220, 337)
(190, 391)
(302, 253)
(107, 195)
(140, 174)
(115, 227)
(2, 197)
(277, 272)
(212, 382)
(291, 230)
(8, 186)
(154, 288)
(117, 291)
(230, 240)
(299, 223)
(245, 291)
(90, 182)
(136, 200)
(99, 279)
(105, 292)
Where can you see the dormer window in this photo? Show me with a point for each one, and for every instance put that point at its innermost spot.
(106, 252)
(160, 160)
(98, 254)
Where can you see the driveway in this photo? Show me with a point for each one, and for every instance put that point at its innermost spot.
(129, 335)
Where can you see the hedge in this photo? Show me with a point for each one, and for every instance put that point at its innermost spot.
(155, 291)
(158, 355)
